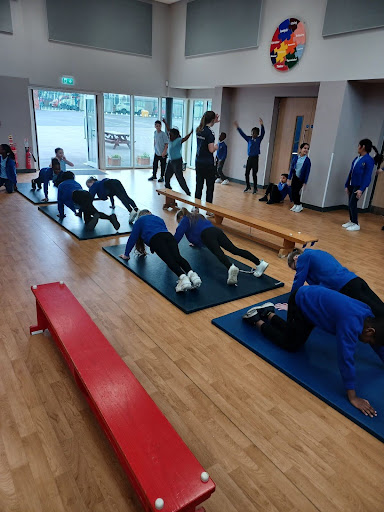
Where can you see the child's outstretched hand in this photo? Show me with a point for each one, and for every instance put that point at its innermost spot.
(236, 124)
(217, 118)
(260, 120)
(282, 306)
(124, 257)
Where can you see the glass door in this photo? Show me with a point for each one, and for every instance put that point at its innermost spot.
(198, 109)
(90, 125)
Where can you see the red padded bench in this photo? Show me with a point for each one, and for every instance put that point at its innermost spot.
(164, 473)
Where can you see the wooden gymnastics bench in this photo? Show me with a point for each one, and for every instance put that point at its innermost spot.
(290, 237)
(164, 473)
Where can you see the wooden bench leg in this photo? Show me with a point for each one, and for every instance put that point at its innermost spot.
(218, 219)
(169, 203)
(288, 247)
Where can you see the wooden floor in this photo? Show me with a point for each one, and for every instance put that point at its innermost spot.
(268, 444)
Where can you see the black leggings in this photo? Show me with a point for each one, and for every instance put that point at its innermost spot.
(215, 239)
(176, 167)
(296, 187)
(291, 334)
(205, 173)
(8, 184)
(84, 199)
(358, 289)
(252, 163)
(115, 188)
(165, 246)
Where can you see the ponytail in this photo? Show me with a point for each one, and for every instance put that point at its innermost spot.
(291, 255)
(140, 245)
(192, 216)
(208, 117)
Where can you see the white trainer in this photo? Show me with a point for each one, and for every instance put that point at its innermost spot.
(348, 224)
(260, 269)
(294, 208)
(195, 209)
(183, 284)
(209, 214)
(133, 215)
(225, 182)
(354, 227)
(194, 279)
(233, 272)
(299, 208)
(218, 180)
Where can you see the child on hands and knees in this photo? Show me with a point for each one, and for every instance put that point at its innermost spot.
(200, 231)
(221, 156)
(276, 193)
(175, 161)
(254, 141)
(46, 175)
(315, 306)
(151, 230)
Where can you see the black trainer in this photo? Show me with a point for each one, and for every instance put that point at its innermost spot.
(254, 191)
(33, 185)
(264, 198)
(161, 180)
(92, 223)
(246, 189)
(115, 223)
(152, 178)
(270, 201)
(251, 316)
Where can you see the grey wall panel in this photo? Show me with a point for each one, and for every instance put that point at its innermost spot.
(5, 17)
(215, 26)
(343, 16)
(117, 25)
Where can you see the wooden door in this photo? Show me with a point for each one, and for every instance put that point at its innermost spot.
(294, 126)
(378, 196)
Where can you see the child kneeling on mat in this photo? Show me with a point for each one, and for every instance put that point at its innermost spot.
(46, 175)
(151, 230)
(200, 231)
(71, 194)
(315, 306)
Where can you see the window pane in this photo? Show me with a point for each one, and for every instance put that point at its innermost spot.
(145, 115)
(117, 128)
(209, 105)
(198, 111)
(178, 115)
(163, 108)
(296, 136)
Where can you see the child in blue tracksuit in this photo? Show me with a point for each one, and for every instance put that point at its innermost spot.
(46, 175)
(254, 142)
(359, 178)
(71, 194)
(320, 268)
(298, 175)
(315, 306)
(151, 230)
(221, 156)
(200, 231)
(110, 188)
(7, 169)
(277, 193)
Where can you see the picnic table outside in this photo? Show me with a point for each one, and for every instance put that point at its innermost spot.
(117, 138)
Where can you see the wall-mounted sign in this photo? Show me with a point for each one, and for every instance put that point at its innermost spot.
(288, 44)
(67, 80)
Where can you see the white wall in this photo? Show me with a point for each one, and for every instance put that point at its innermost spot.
(346, 57)
(28, 54)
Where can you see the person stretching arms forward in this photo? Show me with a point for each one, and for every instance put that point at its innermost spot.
(315, 306)
(151, 230)
(200, 231)
(321, 268)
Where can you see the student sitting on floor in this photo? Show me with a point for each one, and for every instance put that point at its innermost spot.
(110, 188)
(151, 230)
(200, 231)
(46, 175)
(7, 169)
(277, 193)
(175, 160)
(319, 267)
(315, 306)
(221, 156)
(71, 194)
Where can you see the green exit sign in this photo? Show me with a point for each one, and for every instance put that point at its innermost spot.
(67, 80)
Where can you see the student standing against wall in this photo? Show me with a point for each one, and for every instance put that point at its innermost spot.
(359, 178)
(160, 142)
(205, 167)
(298, 175)
(7, 168)
(254, 141)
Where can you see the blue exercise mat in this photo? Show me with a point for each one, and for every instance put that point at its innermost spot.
(315, 367)
(213, 291)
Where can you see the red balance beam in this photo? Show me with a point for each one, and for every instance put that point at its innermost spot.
(164, 473)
